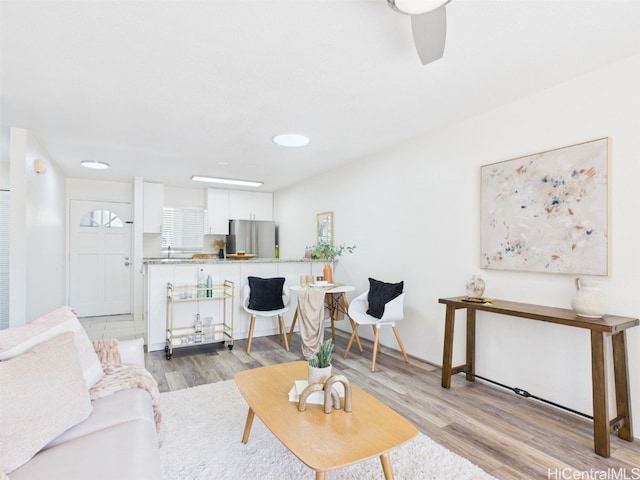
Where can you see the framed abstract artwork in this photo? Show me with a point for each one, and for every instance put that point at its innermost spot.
(548, 212)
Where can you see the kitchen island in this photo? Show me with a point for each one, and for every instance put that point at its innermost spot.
(184, 271)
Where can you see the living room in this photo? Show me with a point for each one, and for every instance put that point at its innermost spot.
(413, 211)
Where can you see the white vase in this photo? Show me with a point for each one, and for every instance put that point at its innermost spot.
(319, 375)
(475, 286)
(589, 299)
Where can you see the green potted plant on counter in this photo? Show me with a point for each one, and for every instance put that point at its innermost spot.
(320, 363)
(329, 252)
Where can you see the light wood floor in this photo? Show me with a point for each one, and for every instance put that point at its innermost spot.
(506, 435)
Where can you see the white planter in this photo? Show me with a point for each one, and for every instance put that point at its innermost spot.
(319, 375)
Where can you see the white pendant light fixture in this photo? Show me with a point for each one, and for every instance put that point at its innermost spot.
(416, 7)
(95, 164)
(291, 140)
(226, 181)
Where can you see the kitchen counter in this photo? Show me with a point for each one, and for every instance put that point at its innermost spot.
(159, 272)
(189, 261)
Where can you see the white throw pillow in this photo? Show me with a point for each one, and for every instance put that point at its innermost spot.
(43, 394)
(17, 340)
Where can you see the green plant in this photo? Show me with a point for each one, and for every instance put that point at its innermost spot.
(322, 359)
(328, 251)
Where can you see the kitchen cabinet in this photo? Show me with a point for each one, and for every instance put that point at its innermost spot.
(153, 204)
(217, 204)
(245, 205)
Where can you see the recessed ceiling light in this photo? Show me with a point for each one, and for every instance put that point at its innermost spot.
(227, 181)
(291, 140)
(94, 164)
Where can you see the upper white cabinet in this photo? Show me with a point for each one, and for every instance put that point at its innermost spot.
(153, 198)
(245, 205)
(217, 204)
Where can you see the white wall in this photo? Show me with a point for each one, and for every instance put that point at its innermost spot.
(413, 212)
(37, 231)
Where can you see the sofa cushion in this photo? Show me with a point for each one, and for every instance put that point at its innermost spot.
(119, 407)
(380, 293)
(43, 394)
(125, 451)
(17, 340)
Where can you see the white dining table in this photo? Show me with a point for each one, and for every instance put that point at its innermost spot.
(335, 303)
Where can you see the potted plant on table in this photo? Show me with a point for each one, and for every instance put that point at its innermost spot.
(320, 363)
(327, 251)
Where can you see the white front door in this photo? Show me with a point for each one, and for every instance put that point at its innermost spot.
(99, 258)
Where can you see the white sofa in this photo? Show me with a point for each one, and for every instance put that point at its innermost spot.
(117, 440)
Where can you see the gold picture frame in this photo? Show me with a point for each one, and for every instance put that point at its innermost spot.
(324, 227)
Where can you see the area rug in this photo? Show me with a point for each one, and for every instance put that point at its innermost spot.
(202, 428)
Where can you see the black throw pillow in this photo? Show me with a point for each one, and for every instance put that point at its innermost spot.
(380, 293)
(266, 293)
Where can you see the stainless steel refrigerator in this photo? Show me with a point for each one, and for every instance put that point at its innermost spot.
(252, 236)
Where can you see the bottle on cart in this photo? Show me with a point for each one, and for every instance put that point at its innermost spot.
(202, 283)
(209, 286)
(198, 328)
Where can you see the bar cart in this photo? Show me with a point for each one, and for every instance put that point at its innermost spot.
(199, 331)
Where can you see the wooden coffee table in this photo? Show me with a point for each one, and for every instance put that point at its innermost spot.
(322, 441)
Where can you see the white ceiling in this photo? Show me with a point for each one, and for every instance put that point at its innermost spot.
(164, 90)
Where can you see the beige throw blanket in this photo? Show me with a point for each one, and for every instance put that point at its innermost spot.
(120, 376)
(312, 310)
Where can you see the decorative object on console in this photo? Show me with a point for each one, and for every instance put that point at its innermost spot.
(589, 299)
(475, 286)
(548, 212)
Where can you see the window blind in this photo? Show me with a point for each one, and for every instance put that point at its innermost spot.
(183, 229)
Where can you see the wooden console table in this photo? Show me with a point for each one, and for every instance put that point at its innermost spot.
(609, 325)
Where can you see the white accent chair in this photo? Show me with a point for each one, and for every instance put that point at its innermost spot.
(246, 293)
(393, 313)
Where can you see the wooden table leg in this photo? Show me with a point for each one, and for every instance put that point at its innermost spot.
(321, 475)
(471, 343)
(345, 304)
(621, 377)
(293, 324)
(601, 438)
(283, 331)
(386, 466)
(353, 335)
(247, 425)
(447, 353)
(332, 304)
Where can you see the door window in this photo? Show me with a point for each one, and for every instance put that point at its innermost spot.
(101, 218)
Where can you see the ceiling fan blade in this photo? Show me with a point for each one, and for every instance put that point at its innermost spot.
(429, 34)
